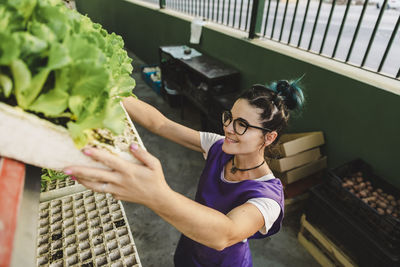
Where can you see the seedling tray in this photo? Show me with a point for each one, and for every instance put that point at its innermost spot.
(59, 188)
(58, 184)
(85, 229)
(49, 145)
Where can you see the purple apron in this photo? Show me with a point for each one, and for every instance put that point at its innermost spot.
(217, 194)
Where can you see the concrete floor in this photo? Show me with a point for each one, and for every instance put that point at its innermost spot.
(155, 239)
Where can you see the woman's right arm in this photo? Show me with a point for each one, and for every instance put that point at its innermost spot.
(154, 121)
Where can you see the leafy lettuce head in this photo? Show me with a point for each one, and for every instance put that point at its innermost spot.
(58, 63)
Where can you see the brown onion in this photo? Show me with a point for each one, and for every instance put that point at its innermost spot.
(380, 211)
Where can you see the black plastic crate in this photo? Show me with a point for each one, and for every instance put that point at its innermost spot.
(173, 98)
(170, 92)
(386, 227)
(339, 226)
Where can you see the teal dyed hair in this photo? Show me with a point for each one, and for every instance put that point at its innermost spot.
(290, 93)
(275, 101)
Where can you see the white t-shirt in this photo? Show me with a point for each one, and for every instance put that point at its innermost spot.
(269, 208)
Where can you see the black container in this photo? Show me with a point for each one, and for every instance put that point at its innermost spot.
(386, 227)
(197, 77)
(172, 96)
(331, 218)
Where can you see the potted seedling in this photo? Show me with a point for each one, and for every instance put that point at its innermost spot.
(62, 78)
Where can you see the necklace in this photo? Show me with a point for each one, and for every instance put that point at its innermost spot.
(234, 169)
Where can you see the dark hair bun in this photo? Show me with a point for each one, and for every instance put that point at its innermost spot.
(290, 93)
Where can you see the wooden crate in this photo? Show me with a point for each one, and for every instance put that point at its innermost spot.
(291, 144)
(320, 247)
(288, 163)
(302, 171)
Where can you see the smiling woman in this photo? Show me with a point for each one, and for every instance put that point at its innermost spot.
(230, 206)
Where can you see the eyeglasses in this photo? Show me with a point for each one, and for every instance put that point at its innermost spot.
(240, 125)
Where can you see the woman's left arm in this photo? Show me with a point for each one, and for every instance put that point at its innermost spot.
(145, 184)
(206, 225)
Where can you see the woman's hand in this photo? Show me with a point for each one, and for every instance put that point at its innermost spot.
(139, 183)
(145, 184)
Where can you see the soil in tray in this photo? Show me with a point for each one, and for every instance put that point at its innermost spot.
(119, 223)
(57, 255)
(56, 236)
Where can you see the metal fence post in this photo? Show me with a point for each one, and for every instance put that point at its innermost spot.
(162, 3)
(256, 17)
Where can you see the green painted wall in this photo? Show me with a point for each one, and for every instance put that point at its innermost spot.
(358, 120)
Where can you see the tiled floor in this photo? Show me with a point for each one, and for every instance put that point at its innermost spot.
(155, 239)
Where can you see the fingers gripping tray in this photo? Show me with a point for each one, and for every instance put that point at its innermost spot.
(30, 139)
(57, 188)
(85, 229)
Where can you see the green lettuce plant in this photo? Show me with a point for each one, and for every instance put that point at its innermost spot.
(60, 65)
(50, 175)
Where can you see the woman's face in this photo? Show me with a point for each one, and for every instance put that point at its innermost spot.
(252, 140)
